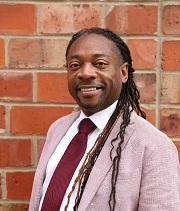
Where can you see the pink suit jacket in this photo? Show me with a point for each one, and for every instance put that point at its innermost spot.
(149, 172)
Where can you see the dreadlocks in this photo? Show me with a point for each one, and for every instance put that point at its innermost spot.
(127, 102)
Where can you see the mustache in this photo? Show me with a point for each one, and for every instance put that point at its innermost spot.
(90, 83)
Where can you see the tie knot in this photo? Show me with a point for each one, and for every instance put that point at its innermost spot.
(86, 126)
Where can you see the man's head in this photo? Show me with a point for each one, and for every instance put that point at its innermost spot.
(98, 62)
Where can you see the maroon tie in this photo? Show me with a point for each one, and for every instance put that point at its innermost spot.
(66, 167)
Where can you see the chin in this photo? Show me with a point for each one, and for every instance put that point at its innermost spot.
(90, 108)
(88, 105)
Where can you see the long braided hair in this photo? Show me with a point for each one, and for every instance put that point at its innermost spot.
(127, 102)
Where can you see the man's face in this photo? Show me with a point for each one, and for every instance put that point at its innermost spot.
(95, 73)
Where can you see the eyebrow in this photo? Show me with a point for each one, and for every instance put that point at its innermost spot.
(96, 55)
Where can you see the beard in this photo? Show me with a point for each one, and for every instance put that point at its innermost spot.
(91, 107)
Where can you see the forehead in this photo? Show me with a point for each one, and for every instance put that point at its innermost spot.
(93, 44)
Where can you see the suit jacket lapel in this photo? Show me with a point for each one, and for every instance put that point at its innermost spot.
(97, 176)
(53, 140)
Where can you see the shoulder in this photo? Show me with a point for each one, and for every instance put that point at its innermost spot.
(149, 137)
(146, 130)
(63, 122)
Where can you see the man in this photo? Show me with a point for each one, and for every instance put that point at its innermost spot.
(128, 164)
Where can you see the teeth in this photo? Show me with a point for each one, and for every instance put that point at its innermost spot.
(88, 89)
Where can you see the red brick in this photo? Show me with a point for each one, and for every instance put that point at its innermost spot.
(37, 53)
(19, 184)
(146, 84)
(52, 87)
(18, 19)
(35, 120)
(15, 86)
(171, 55)
(2, 118)
(133, 19)
(144, 53)
(171, 19)
(2, 53)
(15, 152)
(63, 19)
(40, 145)
(169, 122)
(170, 88)
(14, 207)
(150, 114)
(87, 16)
(56, 19)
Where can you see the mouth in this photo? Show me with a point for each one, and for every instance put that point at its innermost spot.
(89, 89)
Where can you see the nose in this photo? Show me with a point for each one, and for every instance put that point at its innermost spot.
(87, 71)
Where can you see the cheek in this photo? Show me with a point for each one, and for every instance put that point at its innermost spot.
(70, 86)
(118, 83)
(70, 79)
(70, 83)
(117, 78)
(68, 76)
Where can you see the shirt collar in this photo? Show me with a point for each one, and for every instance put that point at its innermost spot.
(101, 118)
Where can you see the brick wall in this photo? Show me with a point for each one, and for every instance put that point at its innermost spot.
(33, 86)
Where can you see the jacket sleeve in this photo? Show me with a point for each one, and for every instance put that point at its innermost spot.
(160, 183)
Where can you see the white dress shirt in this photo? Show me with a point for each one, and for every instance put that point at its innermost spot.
(100, 119)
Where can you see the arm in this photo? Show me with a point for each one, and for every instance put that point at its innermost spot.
(160, 184)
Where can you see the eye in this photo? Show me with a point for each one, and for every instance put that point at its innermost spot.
(100, 63)
(74, 65)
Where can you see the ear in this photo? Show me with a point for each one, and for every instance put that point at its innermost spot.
(124, 71)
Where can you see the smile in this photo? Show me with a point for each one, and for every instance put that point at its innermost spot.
(88, 89)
